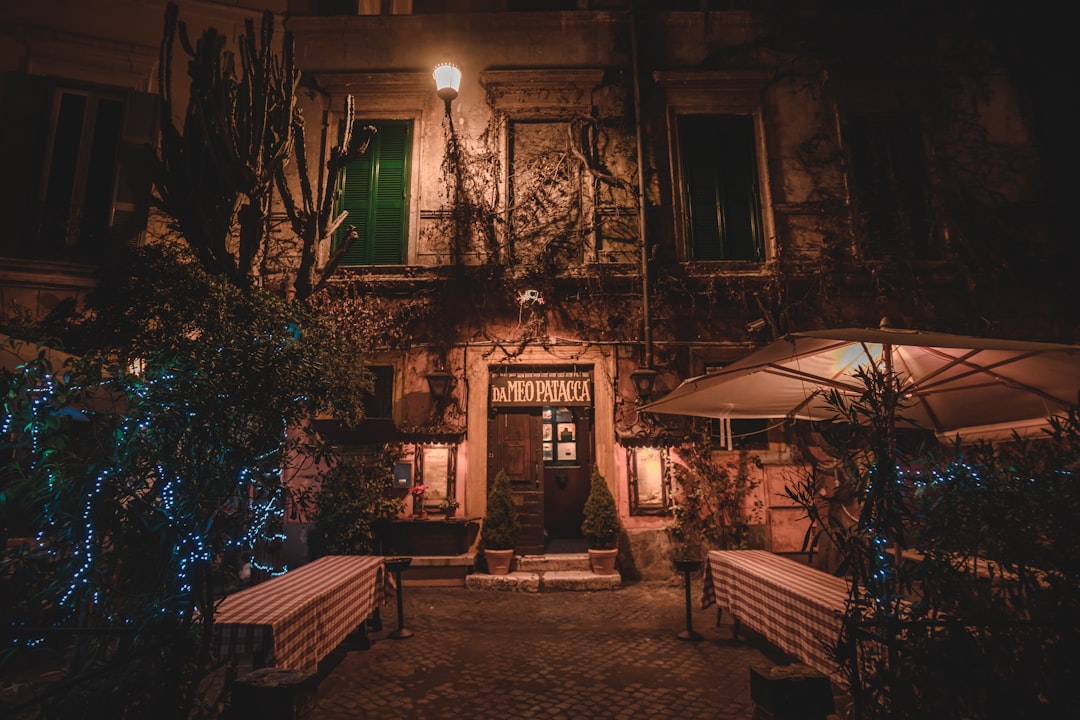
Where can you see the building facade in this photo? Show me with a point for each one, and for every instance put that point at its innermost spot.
(620, 196)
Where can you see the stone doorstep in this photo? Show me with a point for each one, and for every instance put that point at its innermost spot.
(548, 563)
(546, 581)
(436, 570)
(532, 573)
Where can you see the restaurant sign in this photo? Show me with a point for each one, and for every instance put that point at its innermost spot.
(524, 389)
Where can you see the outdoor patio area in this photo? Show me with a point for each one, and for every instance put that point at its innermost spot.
(610, 654)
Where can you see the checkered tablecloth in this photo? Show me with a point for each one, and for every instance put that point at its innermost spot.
(795, 607)
(296, 619)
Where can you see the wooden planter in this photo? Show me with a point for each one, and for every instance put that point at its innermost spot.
(433, 535)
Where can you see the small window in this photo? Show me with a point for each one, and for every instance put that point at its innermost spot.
(720, 187)
(379, 403)
(648, 474)
(375, 193)
(739, 433)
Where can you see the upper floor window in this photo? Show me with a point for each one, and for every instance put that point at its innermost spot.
(379, 403)
(889, 180)
(375, 192)
(547, 203)
(83, 156)
(721, 199)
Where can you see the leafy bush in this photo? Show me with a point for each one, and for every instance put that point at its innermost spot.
(152, 488)
(351, 499)
(601, 525)
(983, 624)
(501, 525)
(709, 511)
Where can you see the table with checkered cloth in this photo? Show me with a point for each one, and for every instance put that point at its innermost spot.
(795, 607)
(298, 618)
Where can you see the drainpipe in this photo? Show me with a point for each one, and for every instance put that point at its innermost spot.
(646, 331)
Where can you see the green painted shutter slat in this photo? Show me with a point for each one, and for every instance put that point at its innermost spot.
(388, 228)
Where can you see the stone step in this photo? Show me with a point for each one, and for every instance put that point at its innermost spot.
(547, 581)
(548, 563)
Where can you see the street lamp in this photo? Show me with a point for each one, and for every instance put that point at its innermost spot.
(447, 82)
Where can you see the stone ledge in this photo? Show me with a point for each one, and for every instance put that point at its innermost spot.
(513, 582)
(547, 581)
(549, 563)
(556, 580)
(466, 560)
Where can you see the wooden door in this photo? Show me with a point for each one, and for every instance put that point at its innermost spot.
(566, 482)
(514, 446)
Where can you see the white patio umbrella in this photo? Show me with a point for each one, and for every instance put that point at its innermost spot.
(955, 384)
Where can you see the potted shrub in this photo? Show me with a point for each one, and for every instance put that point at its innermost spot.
(449, 506)
(601, 525)
(499, 533)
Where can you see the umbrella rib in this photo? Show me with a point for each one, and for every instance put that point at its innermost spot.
(975, 369)
(815, 379)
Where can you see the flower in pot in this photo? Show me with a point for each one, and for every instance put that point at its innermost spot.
(499, 533)
(601, 525)
(449, 506)
(417, 493)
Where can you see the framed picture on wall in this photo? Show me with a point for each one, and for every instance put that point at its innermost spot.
(436, 471)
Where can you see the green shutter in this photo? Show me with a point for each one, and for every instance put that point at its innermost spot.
(354, 200)
(723, 205)
(376, 196)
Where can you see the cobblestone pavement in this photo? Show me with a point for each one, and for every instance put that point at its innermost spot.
(554, 655)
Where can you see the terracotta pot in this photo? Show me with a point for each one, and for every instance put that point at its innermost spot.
(498, 561)
(603, 561)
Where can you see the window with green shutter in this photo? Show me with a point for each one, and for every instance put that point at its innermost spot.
(720, 187)
(375, 193)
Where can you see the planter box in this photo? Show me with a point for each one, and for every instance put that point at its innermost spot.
(431, 536)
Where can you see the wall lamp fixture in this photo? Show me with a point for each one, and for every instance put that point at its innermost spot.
(439, 384)
(447, 83)
(644, 379)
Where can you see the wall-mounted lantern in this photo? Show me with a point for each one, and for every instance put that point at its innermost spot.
(447, 83)
(439, 385)
(644, 379)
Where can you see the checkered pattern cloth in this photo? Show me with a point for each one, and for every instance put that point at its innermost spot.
(296, 619)
(794, 606)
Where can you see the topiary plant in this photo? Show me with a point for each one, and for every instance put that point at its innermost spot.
(500, 528)
(601, 525)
